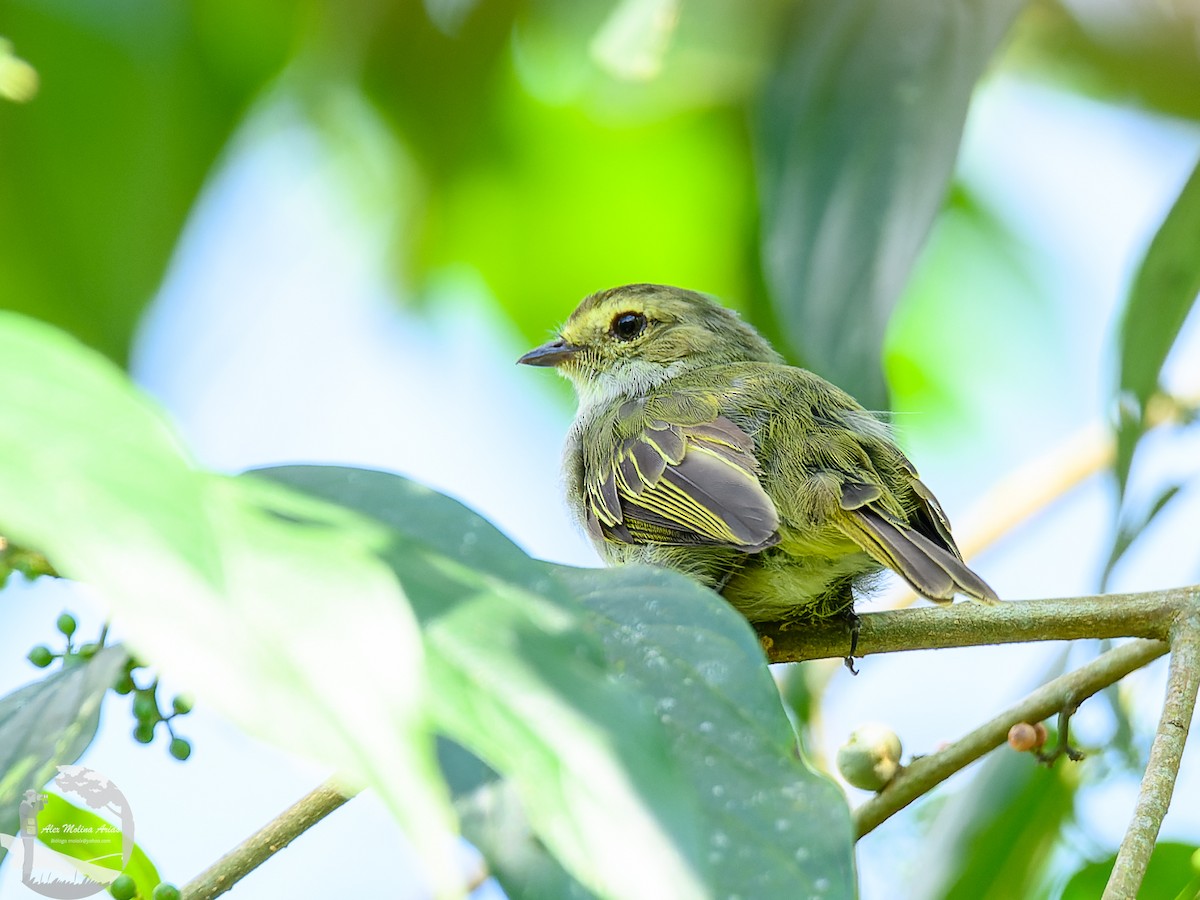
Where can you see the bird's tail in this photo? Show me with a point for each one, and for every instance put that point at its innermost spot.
(933, 571)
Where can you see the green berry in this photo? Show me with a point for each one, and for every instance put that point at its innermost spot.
(143, 732)
(870, 758)
(66, 624)
(123, 888)
(87, 651)
(125, 685)
(145, 707)
(180, 749)
(166, 891)
(41, 656)
(182, 704)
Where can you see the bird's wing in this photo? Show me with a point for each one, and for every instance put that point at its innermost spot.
(683, 484)
(849, 457)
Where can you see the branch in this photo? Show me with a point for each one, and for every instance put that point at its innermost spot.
(928, 771)
(263, 844)
(1166, 752)
(1144, 615)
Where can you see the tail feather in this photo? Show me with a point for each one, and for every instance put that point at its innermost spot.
(933, 571)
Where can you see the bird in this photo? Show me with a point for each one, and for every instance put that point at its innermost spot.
(696, 448)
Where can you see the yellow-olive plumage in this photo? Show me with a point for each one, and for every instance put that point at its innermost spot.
(695, 448)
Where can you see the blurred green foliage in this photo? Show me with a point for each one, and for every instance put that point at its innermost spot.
(790, 157)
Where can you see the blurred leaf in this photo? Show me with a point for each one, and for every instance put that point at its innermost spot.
(1128, 532)
(50, 723)
(857, 135)
(688, 656)
(1163, 293)
(405, 49)
(634, 40)
(90, 473)
(565, 205)
(994, 838)
(947, 361)
(100, 170)
(494, 821)
(1173, 874)
(61, 812)
(1139, 52)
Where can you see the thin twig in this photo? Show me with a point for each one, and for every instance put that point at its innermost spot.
(268, 840)
(1158, 783)
(923, 774)
(1145, 615)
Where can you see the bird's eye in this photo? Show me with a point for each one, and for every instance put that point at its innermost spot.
(627, 326)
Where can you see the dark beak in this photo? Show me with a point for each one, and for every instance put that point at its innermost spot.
(550, 354)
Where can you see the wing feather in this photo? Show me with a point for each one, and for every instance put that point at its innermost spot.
(686, 484)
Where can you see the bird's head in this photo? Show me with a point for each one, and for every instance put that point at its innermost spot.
(627, 340)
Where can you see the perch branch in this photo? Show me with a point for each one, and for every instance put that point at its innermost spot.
(263, 844)
(1145, 615)
(928, 771)
(1166, 752)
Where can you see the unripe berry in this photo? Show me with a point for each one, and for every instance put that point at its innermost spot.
(41, 656)
(182, 704)
(870, 758)
(123, 888)
(180, 749)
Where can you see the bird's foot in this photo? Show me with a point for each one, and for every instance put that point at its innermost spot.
(855, 624)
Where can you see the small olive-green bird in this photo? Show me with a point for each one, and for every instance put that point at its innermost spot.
(697, 449)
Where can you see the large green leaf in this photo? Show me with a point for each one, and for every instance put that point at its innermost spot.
(768, 823)
(99, 171)
(773, 826)
(258, 613)
(50, 723)
(857, 135)
(516, 677)
(1163, 293)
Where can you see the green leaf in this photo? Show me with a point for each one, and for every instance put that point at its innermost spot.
(50, 723)
(62, 812)
(857, 135)
(1148, 60)
(773, 826)
(494, 820)
(1163, 293)
(100, 170)
(1128, 532)
(260, 600)
(520, 683)
(768, 822)
(993, 840)
(1173, 874)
